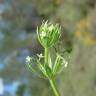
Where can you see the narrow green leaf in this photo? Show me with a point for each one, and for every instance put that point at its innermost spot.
(50, 62)
(48, 71)
(58, 64)
(42, 68)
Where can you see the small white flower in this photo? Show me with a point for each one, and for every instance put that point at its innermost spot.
(43, 34)
(28, 59)
(40, 55)
(65, 63)
(51, 28)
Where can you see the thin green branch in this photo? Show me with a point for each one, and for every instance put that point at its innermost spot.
(54, 87)
(46, 56)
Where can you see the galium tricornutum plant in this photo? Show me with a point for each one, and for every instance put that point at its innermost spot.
(48, 35)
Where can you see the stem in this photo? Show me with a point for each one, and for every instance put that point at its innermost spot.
(46, 56)
(52, 82)
(54, 87)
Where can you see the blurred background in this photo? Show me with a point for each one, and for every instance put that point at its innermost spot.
(18, 39)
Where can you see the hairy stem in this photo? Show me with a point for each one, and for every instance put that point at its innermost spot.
(54, 87)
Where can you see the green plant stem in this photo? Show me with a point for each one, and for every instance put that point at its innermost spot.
(52, 82)
(46, 56)
(54, 87)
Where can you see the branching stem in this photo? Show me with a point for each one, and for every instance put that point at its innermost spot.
(52, 82)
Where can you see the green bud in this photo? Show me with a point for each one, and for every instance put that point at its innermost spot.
(48, 34)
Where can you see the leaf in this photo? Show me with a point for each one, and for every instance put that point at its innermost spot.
(31, 68)
(48, 71)
(57, 68)
(50, 62)
(42, 68)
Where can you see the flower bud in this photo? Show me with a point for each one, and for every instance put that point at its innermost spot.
(48, 34)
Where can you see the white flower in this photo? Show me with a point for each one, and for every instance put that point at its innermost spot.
(40, 55)
(65, 63)
(51, 28)
(43, 34)
(28, 59)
